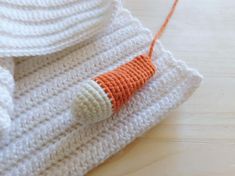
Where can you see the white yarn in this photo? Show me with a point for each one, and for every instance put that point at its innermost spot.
(42, 27)
(91, 103)
(6, 93)
(46, 139)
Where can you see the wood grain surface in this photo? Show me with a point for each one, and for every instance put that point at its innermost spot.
(198, 138)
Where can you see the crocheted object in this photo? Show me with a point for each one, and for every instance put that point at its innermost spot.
(46, 139)
(6, 91)
(97, 100)
(38, 27)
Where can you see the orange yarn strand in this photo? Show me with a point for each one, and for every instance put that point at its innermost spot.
(162, 29)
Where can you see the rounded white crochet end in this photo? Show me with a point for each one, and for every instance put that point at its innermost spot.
(91, 104)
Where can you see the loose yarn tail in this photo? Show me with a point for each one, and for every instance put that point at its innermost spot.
(162, 28)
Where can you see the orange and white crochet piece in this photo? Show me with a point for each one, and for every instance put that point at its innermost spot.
(99, 98)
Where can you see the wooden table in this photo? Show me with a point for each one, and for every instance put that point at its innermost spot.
(198, 138)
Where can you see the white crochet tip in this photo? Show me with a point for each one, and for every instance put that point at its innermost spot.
(6, 91)
(91, 104)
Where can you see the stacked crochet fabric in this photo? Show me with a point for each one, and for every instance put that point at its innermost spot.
(44, 137)
(39, 27)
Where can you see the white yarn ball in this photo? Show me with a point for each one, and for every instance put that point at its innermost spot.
(91, 104)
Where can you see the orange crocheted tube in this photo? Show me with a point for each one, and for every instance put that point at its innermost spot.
(121, 83)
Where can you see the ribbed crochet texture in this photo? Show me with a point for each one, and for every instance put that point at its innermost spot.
(39, 27)
(46, 139)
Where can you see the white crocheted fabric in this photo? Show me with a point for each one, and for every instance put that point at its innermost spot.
(39, 27)
(7, 85)
(46, 139)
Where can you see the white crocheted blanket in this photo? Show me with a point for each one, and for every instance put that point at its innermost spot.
(45, 139)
